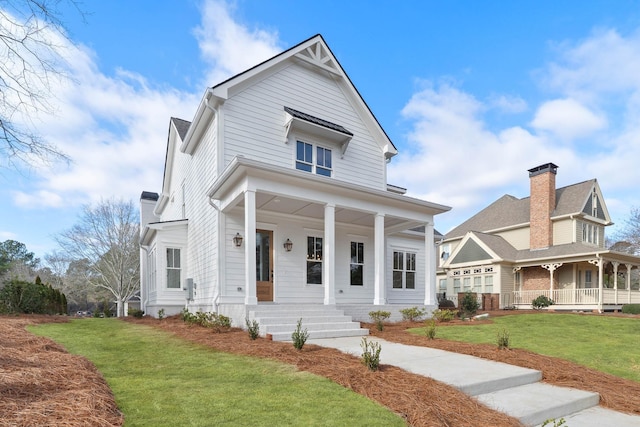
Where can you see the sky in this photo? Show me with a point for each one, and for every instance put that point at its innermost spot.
(473, 94)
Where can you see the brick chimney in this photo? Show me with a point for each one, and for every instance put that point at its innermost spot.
(542, 203)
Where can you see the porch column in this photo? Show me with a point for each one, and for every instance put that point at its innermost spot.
(329, 254)
(628, 284)
(616, 264)
(551, 268)
(379, 295)
(429, 266)
(250, 296)
(600, 283)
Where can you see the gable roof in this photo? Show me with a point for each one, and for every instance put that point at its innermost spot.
(509, 211)
(182, 126)
(313, 51)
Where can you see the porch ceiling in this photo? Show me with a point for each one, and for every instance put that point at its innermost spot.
(289, 206)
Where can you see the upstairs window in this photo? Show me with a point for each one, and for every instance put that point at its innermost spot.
(321, 164)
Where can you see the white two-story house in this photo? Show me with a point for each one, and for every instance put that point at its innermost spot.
(275, 197)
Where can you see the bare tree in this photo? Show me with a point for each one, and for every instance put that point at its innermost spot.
(628, 238)
(31, 57)
(106, 236)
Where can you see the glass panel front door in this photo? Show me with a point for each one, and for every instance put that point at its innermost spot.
(264, 265)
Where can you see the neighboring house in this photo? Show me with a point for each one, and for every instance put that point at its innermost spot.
(275, 196)
(551, 243)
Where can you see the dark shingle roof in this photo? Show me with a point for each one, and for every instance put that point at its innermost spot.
(315, 120)
(509, 211)
(182, 126)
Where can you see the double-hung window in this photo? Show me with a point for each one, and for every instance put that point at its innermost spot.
(316, 161)
(173, 268)
(357, 264)
(314, 260)
(404, 270)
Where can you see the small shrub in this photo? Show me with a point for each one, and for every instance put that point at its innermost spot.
(469, 304)
(217, 322)
(556, 423)
(430, 329)
(253, 327)
(412, 314)
(503, 339)
(444, 315)
(631, 308)
(541, 302)
(135, 312)
(378, 317)
(299, 336)
(370, 354)
(161, 314)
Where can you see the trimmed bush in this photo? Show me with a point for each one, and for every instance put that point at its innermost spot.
(379, 317)
(137, 313)
(444, 315)
(469, 304)
(541, 302)
(631, 308)
(412, 314)
(253, 327)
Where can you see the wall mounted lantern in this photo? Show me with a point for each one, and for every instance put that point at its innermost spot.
(288, 245)
(237, 240)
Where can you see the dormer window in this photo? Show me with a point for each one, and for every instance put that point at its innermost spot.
(316, 161)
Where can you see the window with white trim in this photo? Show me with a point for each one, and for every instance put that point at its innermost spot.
(404, 270)
(318, 161)
(357, 264)
(173, 268)
(488, 284)
(314, 260)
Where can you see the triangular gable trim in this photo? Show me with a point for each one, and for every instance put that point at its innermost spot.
(470, 239)
(601, 203)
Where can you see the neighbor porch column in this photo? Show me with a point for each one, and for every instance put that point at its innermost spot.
(551, 268)
(600, 283)
(379, 297)
(628, 284)
(615, 280)
(250, 296)
(429, 266)
(329, 254)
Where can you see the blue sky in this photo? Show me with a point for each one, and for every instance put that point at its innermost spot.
(472, 93)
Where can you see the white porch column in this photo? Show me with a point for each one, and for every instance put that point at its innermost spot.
(551, 268)
(379, 294)
(250, 296)
(628, 284)
(600, 283)
(615, 280)
(329, 254)
(429, 266)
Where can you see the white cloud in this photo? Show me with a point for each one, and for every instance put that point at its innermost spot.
(508, 104)
(7, 235)
(567, 119)
(228, 46)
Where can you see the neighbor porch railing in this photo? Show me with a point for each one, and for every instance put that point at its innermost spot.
(589, 296)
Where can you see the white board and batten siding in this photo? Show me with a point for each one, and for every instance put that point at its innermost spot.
(255, 118)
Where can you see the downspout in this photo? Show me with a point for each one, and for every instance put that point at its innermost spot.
(216, 296)
(143, 302)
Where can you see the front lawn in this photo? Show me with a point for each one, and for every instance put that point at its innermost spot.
(606, 343)
(158, 379)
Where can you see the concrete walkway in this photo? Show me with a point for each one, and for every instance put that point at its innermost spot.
(513, 390)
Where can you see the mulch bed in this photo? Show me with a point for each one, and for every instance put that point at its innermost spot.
(43, 385)
(40, 384)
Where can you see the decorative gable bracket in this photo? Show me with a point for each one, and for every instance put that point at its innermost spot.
(298, 121)
(318, 55)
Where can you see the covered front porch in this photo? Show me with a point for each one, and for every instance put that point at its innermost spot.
(600, 282)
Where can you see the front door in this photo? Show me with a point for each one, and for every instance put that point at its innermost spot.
(264, 265)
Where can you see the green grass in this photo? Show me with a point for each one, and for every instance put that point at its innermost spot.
(158, 379)
(608, 344)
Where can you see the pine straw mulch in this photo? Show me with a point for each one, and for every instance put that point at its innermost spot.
(43, 385)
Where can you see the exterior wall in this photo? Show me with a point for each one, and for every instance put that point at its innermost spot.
(543, 201)
(563, 231)
(535, 278)
(255, 117)
(518, 238)
(505, 285)
(564, 277)
(406, 244)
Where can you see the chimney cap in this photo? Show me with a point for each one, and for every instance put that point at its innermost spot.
(547, 167)
(148, 195)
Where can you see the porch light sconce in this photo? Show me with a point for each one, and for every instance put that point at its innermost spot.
(237, 240)
(288, 245)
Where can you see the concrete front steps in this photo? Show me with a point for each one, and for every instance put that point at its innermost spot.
(279, 321)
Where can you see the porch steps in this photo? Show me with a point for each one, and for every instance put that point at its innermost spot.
(279, 321)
